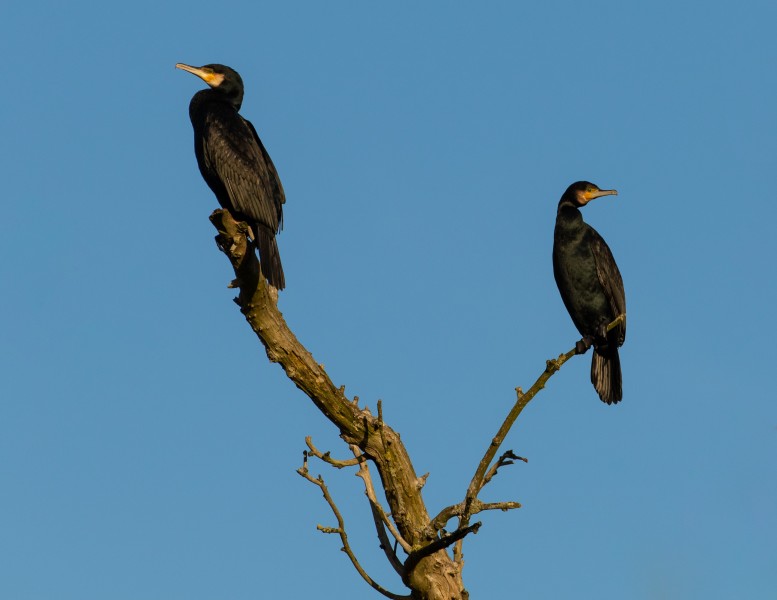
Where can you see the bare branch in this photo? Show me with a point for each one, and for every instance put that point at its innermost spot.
(477, 483)
(380, 518)
(476, 507)
(385, 544)
(619, 320)
(379, 515)
(503, 506)
(381, 428)
(329, 460)
(440, 544)
(369, 490)
(340, 530)
(508, 458)
(446, 514)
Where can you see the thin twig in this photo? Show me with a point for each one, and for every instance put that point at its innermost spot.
(340, 529)
(380, 518)
(508, 458)
(503, 506)
(446, 514)
(325, 456)
(380, 424)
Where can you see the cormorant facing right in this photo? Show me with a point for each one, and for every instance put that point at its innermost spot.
(591, 287)
(234, 163)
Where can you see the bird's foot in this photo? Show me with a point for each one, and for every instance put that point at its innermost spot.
(582, 346)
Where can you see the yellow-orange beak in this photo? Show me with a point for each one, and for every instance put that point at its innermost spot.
(589, 195)
(208, 76)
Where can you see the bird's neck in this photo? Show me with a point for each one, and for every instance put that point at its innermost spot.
(568, 215)
(211, 96)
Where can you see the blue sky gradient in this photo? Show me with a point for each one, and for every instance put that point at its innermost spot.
(147, 447)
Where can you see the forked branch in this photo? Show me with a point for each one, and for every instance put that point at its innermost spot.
(508, 458)
(433, 577)
(479, 479)
(340, 530)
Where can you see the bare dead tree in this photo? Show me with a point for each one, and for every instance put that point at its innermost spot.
(428, 570)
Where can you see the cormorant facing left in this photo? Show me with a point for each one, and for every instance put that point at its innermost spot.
(591, 287)
(235, 164)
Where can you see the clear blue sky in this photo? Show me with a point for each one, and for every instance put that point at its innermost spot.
(147, 447)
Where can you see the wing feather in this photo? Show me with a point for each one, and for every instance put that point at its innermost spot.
(233, 150)
(610, 279)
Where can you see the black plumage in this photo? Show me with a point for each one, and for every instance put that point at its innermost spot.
(591, 287)
(235, 164)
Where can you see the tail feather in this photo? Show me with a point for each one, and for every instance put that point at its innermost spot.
(606, 375)
(269, 257)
